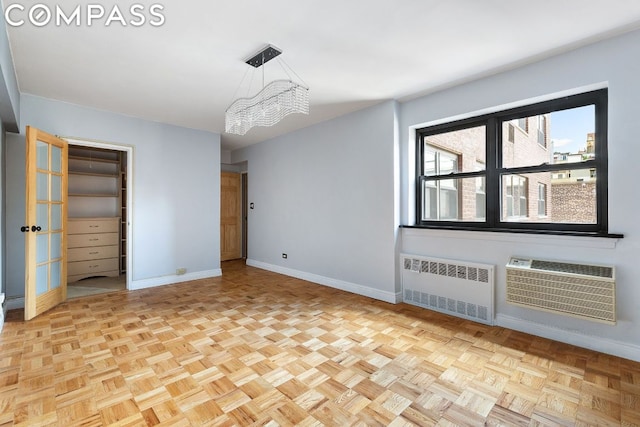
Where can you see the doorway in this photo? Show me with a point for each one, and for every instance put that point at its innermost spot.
(99, 218)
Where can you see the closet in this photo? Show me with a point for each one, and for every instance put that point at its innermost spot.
(96, 217)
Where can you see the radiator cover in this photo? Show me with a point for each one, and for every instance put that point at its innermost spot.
(579, 290)
(459, 288)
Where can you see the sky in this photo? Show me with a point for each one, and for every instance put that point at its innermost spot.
(569, 128)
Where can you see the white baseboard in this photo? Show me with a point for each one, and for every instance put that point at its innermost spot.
(172, 279)
(603, 345)
(354, 288)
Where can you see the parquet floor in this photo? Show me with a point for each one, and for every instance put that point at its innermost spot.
(258, 348)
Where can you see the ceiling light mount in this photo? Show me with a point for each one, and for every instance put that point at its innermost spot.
(264, 56)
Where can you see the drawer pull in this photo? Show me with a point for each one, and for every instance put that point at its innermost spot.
(94, 253)
(94, 226)
(93, 240)
(94, 266)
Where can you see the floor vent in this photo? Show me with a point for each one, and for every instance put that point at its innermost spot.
(579, 290)
(459, 288)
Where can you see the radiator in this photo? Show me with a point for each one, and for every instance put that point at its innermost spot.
(579, 290)
(459, 288)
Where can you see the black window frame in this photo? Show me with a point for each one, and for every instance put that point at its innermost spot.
(493, 167)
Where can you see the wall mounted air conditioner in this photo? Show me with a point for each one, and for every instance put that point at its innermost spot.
(580, 290)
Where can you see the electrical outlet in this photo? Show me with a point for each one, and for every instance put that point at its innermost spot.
(180, 271)
(284, 256)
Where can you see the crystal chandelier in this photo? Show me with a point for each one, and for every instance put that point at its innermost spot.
(271, 104)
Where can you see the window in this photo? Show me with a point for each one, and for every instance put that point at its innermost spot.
(542, 199)
(542, 130)
(523, 124)
(515, 191)
(478, 174)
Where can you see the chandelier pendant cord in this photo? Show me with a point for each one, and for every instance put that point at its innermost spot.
(235, 94)
(286, 66)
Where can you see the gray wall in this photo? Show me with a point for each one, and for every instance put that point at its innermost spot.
(616, 63)
(9, 91)
(324, 195)
(176, 188)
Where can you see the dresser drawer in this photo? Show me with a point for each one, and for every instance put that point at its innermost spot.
(90, 240)
(92, 225)
(96, 252)
(92, 267)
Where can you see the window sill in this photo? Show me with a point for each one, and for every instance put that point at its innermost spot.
(561, 238)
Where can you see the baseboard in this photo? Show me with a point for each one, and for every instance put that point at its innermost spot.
(13, 303)
(603, 345)
(172, 279)
(354, 288)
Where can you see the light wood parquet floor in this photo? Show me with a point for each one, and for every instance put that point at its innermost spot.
(258, 348)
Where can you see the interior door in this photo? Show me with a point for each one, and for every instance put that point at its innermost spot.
(46, 221)
(230, 222)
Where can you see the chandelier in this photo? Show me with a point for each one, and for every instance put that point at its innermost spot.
(272, 103)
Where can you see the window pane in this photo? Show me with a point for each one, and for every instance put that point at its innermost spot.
(448, 204)
(56, 159)
(42, 248)
(56, 269)
(42, 186)
(481, 205)
(457, 151)
(42, 279)
(429, 162)
(566, 136)
(453, 200)
(56, 188)
(430, 203)
(42, 216)
(56, 245)
(56, 217)
(567, 197)
(42, 155)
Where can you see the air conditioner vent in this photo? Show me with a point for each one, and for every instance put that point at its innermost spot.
(563, 267)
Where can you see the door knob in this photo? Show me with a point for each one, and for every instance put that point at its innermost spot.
(35, 228)
(24, 229)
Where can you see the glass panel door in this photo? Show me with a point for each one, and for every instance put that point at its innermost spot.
(45, 284)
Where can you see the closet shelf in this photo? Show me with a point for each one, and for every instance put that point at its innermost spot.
(102, 175)
(91, 195)
(94, 159)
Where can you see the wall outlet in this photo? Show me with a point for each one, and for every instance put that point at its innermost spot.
(284, 256)
(180, 271)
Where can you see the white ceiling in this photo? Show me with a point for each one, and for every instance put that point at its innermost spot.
(351, 53)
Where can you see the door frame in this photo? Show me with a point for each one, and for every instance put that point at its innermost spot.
(244, 185)
(92, 143)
